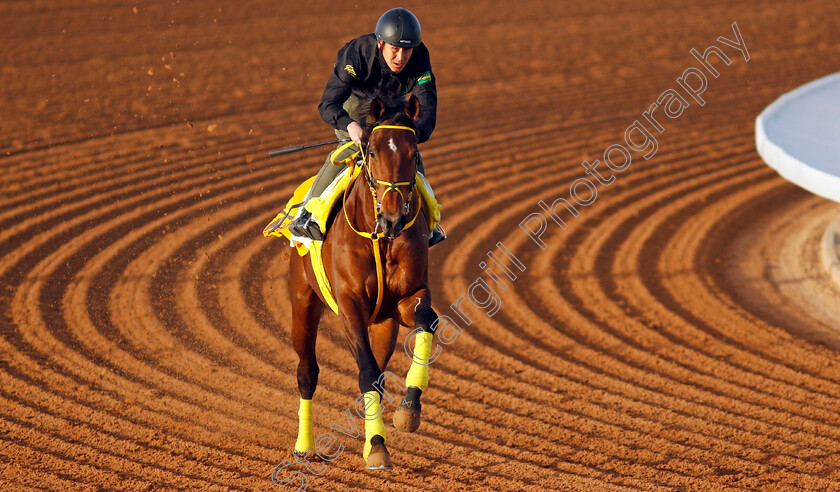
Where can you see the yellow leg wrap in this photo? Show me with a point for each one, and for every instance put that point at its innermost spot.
(306, 436)
(418, 374)
(373, 427)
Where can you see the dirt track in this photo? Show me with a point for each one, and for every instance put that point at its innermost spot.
(680, 333)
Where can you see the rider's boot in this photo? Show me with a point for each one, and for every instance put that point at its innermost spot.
(436, 237)
(305, 225)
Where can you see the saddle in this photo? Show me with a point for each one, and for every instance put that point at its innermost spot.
(323, 209)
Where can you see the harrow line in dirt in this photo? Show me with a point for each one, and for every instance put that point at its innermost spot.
(106, 446)
(784, 357)
(651, 223)
(123, 425)
(801, 228)
(91, 397)
(674, 336)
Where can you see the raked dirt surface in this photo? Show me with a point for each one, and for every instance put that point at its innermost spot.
(680, 333)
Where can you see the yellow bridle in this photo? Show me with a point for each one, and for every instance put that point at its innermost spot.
(375, 236)
(391, 185)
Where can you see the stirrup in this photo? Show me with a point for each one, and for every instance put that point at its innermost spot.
(306, 226)
(437, 236)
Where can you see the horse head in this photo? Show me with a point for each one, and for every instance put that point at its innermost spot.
(391, 158)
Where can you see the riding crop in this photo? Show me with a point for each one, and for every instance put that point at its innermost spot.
(296, 148)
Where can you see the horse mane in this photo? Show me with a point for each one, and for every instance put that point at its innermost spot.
(394, 111)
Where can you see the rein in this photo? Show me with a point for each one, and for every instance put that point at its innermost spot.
(376, 236)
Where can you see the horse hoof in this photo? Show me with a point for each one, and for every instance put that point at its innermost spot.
(406, 420)
(407, 414)
(379, 458)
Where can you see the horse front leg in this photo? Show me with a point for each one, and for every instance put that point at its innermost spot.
(416, 311)
(375, 452)
(383, 340)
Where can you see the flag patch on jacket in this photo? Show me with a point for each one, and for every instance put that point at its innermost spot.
(426, 77)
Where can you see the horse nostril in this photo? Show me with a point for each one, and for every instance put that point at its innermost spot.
(391, 227)
(400, 224)
(384, 223)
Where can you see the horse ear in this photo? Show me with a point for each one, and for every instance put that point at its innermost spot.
(412, 107)
(377, 109)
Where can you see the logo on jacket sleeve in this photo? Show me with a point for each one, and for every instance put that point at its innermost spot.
(349, 69)
(426, 77)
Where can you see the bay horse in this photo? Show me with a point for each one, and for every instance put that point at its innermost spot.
(376, 257)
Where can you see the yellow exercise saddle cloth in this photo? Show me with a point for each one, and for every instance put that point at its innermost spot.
(321, 207)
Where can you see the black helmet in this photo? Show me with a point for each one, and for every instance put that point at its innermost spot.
(398, 27)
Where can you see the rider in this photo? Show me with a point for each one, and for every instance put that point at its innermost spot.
(390, 63)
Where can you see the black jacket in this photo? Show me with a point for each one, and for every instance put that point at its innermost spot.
(360, 70)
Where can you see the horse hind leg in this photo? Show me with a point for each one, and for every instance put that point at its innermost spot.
(306, 313)
(407, 414)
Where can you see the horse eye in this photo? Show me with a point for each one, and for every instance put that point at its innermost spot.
(371, 154)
